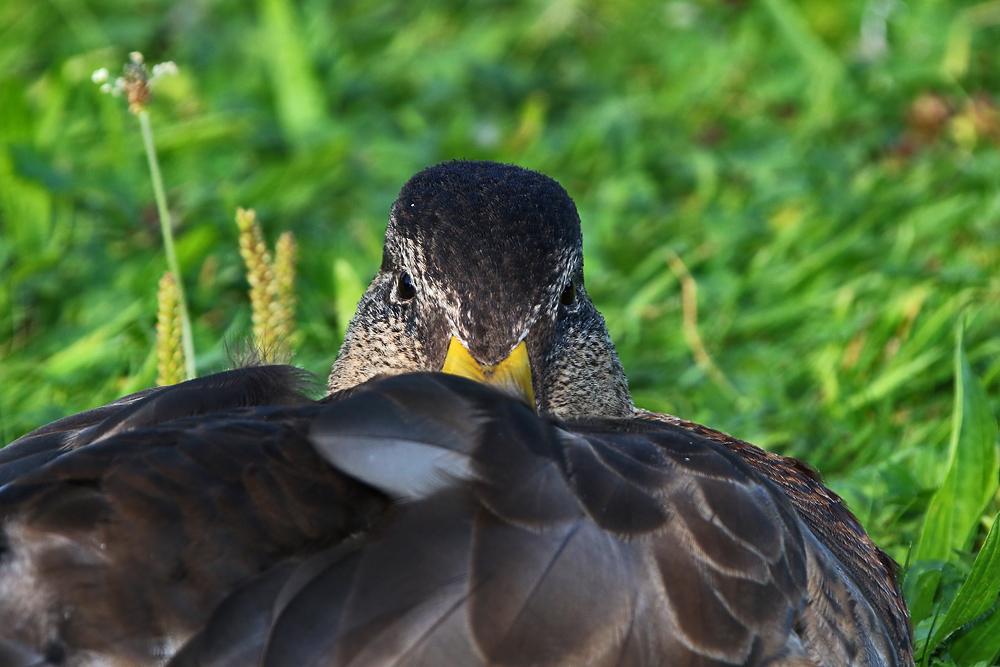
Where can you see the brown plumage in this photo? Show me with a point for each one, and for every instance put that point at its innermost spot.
(423, 519)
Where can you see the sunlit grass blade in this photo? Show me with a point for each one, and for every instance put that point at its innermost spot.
(973, 467)
(348, 290)
(298, 93)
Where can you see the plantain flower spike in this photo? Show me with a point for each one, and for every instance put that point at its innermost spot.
(286, 252)
(272, 298)
(169, 351)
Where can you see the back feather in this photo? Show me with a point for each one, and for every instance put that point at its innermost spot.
(604, 543)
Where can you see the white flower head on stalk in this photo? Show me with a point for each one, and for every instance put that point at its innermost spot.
(135, 83)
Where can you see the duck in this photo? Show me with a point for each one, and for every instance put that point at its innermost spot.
(475, 488)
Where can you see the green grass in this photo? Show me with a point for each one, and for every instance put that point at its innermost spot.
(836, 241)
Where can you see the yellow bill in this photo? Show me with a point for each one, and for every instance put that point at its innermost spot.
(512, 375)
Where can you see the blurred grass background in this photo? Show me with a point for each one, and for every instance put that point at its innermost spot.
(823, 177)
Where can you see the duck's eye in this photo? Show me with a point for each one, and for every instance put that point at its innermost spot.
(568, 295)
(404, 287)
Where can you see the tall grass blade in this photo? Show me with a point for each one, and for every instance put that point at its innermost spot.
(973, 467)
(977, 595)
(920, 598)
(166, 226)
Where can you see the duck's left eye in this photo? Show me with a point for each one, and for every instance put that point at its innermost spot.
(568, 295)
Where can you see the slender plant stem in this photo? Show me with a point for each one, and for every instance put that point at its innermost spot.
(187, 340)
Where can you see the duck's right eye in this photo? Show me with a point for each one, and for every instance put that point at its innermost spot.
(404, 287)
